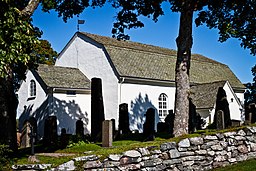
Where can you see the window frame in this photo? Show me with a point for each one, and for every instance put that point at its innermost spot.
(32, 88)
(162, 105)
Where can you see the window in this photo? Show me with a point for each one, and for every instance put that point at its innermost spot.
(162, 105)
(32, 88)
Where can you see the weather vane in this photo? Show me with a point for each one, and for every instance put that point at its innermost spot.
(79, 22)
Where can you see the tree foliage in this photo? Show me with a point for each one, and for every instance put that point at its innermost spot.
(43, 53)
(233, 19)
(17, 37)
(250, 94)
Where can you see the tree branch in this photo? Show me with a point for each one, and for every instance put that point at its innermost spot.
(30, 8)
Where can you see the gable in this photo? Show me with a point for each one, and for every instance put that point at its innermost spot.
(137, 60)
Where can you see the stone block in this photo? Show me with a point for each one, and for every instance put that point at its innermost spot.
(196, 140)
(107, 134)
(174, 153)
(185, 143)
(168, 146)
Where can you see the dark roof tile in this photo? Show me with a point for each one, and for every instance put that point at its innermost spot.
(152, 62)
(63, 77)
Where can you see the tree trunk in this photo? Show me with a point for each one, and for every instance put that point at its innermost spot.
(184, 44)
(8, 106)
(30, 8)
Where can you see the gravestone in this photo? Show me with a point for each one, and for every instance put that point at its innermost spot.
(220, 120)
(113, 128)
(33, 123)
(149, 125)
(25, 138)
(63, 138)
(167, 125)
(222, 104)
(161, 127)
(123, 119)
(97, 109)
(192, 124)
(50, 131)
(169, 121)
(253, 112)
(107, 134)
(79, 128)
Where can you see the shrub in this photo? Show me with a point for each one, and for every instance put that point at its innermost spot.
(5, 153)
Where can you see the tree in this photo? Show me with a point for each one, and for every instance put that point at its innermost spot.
(250, 94)
(234, 19)
(43, 53)
(18, 40)
(18, 36)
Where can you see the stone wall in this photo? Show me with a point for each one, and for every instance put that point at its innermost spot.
(199, 153)
(191, 154)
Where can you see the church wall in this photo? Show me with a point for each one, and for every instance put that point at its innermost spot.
(141, 97)
(71, 108)
(92, 60)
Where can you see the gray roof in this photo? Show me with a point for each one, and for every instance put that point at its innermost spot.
(204, 95)
(63, 77)
(132, 59)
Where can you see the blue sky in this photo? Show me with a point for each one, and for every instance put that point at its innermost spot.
(163, 34)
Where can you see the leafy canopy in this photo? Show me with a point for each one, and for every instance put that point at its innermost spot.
(250, 94)
(233, 18)
(17, 37)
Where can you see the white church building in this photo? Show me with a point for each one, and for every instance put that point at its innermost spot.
(140, 75)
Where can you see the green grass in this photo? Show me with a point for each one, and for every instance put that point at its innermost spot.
(128, 143)
(249, 165)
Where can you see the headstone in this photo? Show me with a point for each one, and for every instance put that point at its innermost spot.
(50, 131)
(169, 121)
(149, 125)
(220, 120)
(124, 119)
(79, 128)
(33, 123)
(222, 104)
(97, 109)
(107, 134)
(161, 127)
(113, 127)
(253, 113)
(192, 117)
(248, 118)
(63, 138)
(25, 138)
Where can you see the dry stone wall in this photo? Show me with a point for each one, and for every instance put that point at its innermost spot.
(191, 154)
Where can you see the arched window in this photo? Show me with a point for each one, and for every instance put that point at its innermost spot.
(32, 88)
(162, 105)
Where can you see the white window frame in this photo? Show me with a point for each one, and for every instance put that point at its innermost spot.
(162, 105)
(32, 88)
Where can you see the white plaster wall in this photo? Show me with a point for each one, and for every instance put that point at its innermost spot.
(141, 97)
(91, 59)
(206, 115)
(69, 109)
(241, 97)
(36, 107)
(234, 107)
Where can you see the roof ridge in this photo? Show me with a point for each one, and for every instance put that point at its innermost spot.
(66, 67)
(157, 49)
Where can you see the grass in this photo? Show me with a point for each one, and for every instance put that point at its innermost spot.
(128, 143)
(249, 165)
